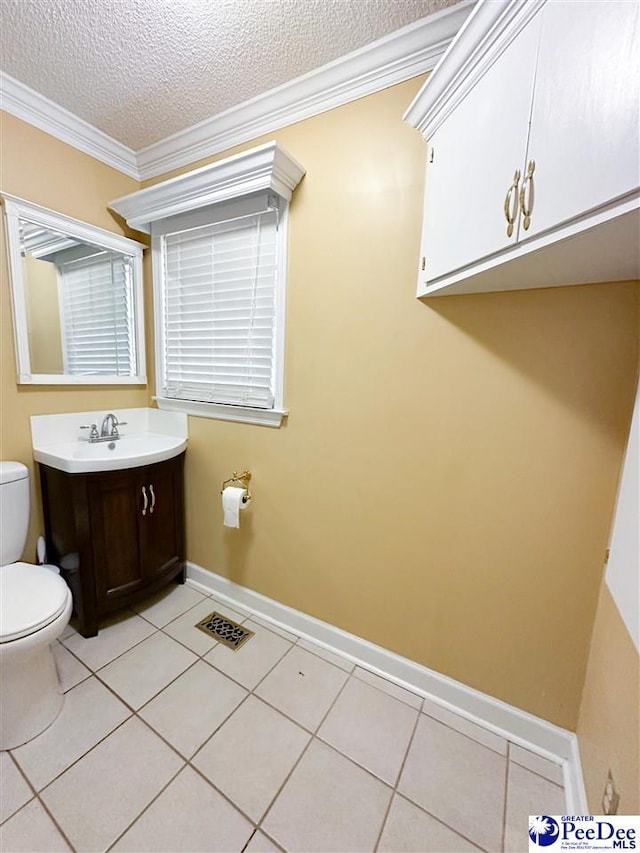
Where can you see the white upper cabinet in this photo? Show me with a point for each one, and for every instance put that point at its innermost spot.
(585, 131)
(474, 163)
(533, 157)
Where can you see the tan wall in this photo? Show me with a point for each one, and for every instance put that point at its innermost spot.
(41, 169)
(43, 315)
(445, 483)
(609, 724)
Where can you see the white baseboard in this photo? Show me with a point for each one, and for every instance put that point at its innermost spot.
(517, 726)
(575, 792)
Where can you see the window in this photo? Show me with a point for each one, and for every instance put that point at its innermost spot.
(219, 244)
(220, 309)
(96, 312)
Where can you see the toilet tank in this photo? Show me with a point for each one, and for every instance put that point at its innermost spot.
(14, 510)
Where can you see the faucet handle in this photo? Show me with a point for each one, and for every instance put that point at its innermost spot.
(94, 430)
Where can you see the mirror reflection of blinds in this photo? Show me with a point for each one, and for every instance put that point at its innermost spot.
(97, 315)
(219, 312)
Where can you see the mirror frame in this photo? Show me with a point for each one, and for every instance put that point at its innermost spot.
(16, 208)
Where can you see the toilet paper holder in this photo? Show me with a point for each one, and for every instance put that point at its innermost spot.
(243, 478)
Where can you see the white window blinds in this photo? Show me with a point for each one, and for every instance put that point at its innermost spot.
(96, 302)
(219, 312)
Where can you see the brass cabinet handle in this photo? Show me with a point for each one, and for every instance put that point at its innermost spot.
(526, 203)
(153, 498)
(146, 501)
(512, 193)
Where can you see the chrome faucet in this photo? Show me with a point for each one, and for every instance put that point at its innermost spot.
(108, 429)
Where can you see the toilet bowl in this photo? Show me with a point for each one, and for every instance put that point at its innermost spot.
(35, 607)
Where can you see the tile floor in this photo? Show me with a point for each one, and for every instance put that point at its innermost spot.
(169, 741)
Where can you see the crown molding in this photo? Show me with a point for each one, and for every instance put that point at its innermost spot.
(26, 104)
(403, 54)
(484, 35)
(267, 167)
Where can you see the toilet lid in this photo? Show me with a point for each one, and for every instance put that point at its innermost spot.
(30, 598)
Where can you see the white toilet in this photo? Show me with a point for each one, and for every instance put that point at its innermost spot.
(35, 607)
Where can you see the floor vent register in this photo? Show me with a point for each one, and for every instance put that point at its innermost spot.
(225, 630)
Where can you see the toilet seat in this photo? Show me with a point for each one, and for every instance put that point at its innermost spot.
(31, 597)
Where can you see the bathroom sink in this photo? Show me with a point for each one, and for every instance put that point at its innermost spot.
(129, 451)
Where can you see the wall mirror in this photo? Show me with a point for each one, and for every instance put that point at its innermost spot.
(76, 294)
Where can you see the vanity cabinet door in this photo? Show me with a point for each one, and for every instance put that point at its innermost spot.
(161, 526)
(137, 525)
(115, 514)
(118, 536)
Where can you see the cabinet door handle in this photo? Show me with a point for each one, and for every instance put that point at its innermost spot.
(146, 501)
(511, 211)
(526, 203)
(153, 498)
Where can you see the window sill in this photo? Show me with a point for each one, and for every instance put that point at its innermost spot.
(218, 411)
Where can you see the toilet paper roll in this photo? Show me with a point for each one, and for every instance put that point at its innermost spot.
(234, 499)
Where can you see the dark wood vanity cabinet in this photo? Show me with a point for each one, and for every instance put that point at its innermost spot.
(117, 536)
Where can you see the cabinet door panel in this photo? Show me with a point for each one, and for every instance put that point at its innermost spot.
(476, 152)
(586, 96)
(115, 513)
(161, 528)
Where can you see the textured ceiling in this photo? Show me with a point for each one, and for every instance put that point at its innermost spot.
(141, 70)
